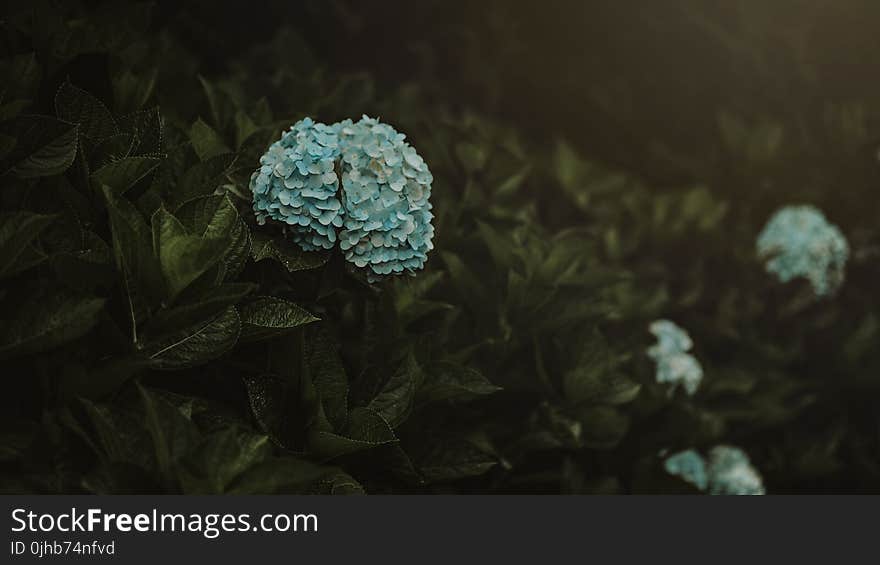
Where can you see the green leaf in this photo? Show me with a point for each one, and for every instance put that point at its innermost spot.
(131, 91)
(367, 430)
(123, 174)
(278, 475)
(596, 379)
(133, 251)
(221, 458)
(217, 216)
(500, 249)
(182, 257)
(269, 399)
(108, 150)
(606, 387)
(513, 183)
(208, 216)
(203, 178)
(568, 166)
(339, 483)
(44, 146)
(603, 427)
(121, 435)
(266, 316)
(205, 141)
(287, 253)
(147, 131)
(463, 278)
(244, 128)
(17, 231)
(327, 375)
(196, 344)
(447, 381)
(473, 156)
(45, 321)
(395, 401)
(172, 431)
(451, 460)
(222, 107)
(202, 308)
(77, 106)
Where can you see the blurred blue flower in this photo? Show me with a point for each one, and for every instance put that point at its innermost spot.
(386, 187)
(728, 471)
(297, 184)
(674, 364)
(671, 339)
(799, 242)
(731, 472)
(690, 466)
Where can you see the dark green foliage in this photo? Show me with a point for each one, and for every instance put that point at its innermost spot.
(155, 339)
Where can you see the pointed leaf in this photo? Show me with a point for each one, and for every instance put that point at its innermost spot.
(17, 231)
(266, 316)
(123, 174)
(395, 401)
(198, 344)
(367, 430)
(328, 376)
(217, 216)
(222, 108)
(291, 475)
(452, 460)
(147, 131)
(43, 322)
(203, 308)
(449, 381)
(44, 146)
(221, 458)
(172, 431)
(182, 257)
(203, 178)
(289, 254)
(77, 106)
(134, 256)
(205, 141)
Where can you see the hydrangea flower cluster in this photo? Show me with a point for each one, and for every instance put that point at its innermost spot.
(799, 242)
(674, 364)
(731, 472)
(728, 471)
(385, 190)
(297, 184)
(690, 466)
(381, 216)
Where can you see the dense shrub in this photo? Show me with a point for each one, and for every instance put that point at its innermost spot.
(158, 336)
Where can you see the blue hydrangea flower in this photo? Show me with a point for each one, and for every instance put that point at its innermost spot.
(690, 466)
(671, 339)
(674, 364)
(382, 214)
(297, 184)
(386, 187)
(728, 471)
(799, 242)
(731, 472)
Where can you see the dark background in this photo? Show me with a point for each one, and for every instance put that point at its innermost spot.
(614, 77)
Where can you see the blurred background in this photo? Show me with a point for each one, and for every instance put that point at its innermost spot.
(617, 78)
